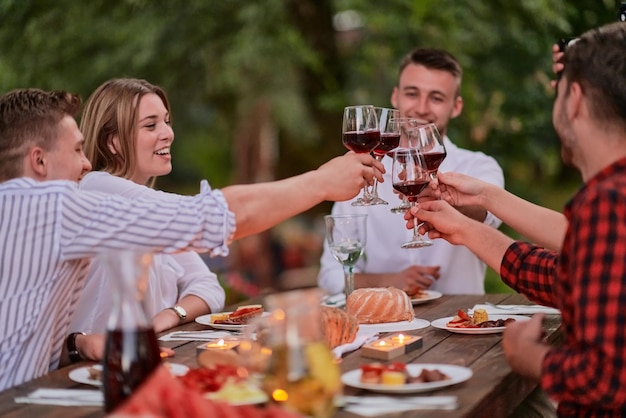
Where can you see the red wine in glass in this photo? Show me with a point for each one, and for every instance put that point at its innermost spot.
(433, 160)
(130, 357)
(388, 142)
(411, 189)
(361, 142)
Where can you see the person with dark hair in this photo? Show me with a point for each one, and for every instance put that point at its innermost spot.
(428, 90)
(50, 230)
(586, 278)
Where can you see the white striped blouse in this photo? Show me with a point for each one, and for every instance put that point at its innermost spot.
(48, 233)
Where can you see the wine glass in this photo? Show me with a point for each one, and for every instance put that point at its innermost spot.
(360, 134)
(410, 177)
(407, 139)
(346, 235)
(389, 140)
(431, 144)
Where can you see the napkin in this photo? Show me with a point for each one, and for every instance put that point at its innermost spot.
(195, 336)
(517, 309)
(371, 406)
(336, 301)
(63, 397)
(362, 337)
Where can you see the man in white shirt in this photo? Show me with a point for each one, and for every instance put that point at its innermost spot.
(428, 90)
(49, 230)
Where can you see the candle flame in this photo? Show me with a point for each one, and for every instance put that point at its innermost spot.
(280, 395)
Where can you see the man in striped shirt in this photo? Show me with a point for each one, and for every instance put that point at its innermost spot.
(49, 230)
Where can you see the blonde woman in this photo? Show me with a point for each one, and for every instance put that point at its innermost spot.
(126, 124)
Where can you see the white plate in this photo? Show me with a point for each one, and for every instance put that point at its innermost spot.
(457, 374)
(206, 320)
(430, 295)
(441, 324)
(416, 323)
(81, 375)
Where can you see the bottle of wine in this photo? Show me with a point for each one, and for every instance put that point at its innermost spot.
(131, 352)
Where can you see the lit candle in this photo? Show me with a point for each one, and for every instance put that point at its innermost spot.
(400, 338)
(223, 345)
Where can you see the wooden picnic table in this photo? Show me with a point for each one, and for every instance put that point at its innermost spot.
(493, 390)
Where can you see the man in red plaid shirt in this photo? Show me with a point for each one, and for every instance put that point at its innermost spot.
(586, 279)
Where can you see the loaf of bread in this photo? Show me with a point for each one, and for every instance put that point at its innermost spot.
(339, 327)
(376, 305)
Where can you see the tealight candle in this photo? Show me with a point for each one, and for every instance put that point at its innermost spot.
(222, 345)
(392, 346)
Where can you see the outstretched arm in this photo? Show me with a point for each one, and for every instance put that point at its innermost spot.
(541, 225)
(260, 206)
(446, 222)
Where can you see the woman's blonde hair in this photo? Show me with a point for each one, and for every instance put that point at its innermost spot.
(112, 110)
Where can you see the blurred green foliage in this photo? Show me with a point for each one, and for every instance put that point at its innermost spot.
(302, 61)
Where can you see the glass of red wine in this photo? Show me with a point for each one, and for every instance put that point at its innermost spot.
(430, 142)
(410, 177)
(408, 138)
(389, 140)
(360, 134)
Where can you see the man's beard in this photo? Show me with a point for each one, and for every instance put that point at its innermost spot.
(566, 138)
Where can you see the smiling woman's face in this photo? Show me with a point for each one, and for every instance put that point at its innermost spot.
(154, 138)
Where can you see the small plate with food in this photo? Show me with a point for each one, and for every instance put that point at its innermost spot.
(92, 375)
(225, 382)
(232, 321)
(477, 323)
(419, 296)
(402, 378)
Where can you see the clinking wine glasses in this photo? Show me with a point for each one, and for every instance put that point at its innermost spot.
(360, 134)
(346, 236)
(410, 177)
(389, 140)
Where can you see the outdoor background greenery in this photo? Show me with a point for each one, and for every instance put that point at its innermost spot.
(258, 86)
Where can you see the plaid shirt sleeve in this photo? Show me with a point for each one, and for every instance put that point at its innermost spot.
(588, 283)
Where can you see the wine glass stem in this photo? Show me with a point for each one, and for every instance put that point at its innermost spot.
(374, 191)
(416, 226)
(348, 280)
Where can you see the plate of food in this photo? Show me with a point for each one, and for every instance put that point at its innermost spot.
(422, 296)
(400, 378)
(477, 323)
(224, 382)
(92, 375)
(415, 323)
(234, 320)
